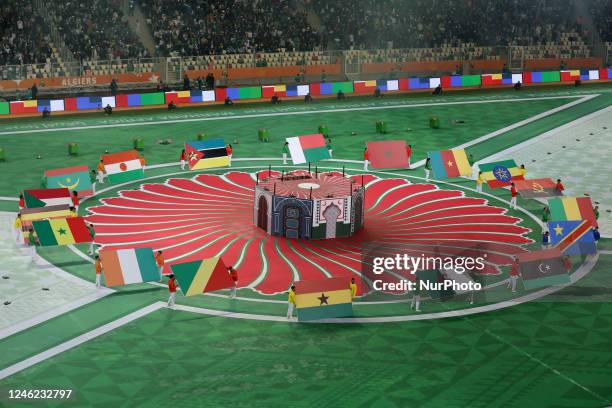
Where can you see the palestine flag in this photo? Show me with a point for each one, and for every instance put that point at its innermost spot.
(73, 178)
(572, 209)
(501, 173)
(202, 276)
(61, 231)
(307, 148)
(388, 154)
(537, 188)
(449, 163)
(542, 268)
(123, 166)
(205, 154)
(47, 197)
(126, 266)
(323, 299)
(572, 237)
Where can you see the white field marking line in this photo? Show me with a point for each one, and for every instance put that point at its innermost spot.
(77, 341)
(605, 252)
(514, 126)
(272, 114)
(9, 199)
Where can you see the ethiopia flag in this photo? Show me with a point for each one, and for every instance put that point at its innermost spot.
(126, 266)
(449, 163)
(206, 154)
(572, 209)
(501, 173)
(307, 148)
(388, 154)
(572, 237)
(202, 276)
(123, 166)
(61, 231)
(323, 299)
(74, 178)
(47, 197)
(537, 188)
(542, 268)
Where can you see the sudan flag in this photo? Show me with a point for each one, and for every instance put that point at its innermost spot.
(202, 276)
(572, 209)
(537, 188)
(542, 268)
(126, 266)
(123, 166)
(74, 178)
(323, 299)
(307, 148)
(388, 154)
(501, 173)
(46, 197)
(449, 163)
(61, 231)
(572, 237)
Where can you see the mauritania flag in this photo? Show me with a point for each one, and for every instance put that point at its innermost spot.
(537, 188)
(572, 209)
(74, 178)
(51, 212)
(47, 197)
(204, 154)
(501, 173)
(206, 275)
(126, 266)
(323, 299)
(542, 268)
(572, 237)
(449, 163)
(61, 231)
(307, 148)
(388, 154)
(123, 166)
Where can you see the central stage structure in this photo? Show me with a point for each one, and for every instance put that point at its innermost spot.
(304, 205)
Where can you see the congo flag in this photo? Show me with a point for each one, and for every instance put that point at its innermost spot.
(572, 237)
(449, 163)
(74, 178)
(61, 231)
(323, 299)
(501, 173)
(572, 209)
(202, 276)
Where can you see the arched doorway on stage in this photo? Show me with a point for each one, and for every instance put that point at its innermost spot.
(262, 214)
(331, 214)
(291, 222)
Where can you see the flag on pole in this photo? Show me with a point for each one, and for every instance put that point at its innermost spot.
(542, 268)
(307, 148)
(197, 277)
(572, 237)
(204, 154)
(74, 178)
(537, 188)
(449, 163)
(61, 231)
(323, 299)
(388, 154)
(47, 197)
(572, 209)
(123, 166)
(126, 266)
(501, 173)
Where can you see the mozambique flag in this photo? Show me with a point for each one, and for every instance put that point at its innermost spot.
(542, 268)
(202, 276)
(126, 266)
(123, 166)
(51, 212)
(572, 209)
(388, 154)
(572, 237)
(323, 299)
(449, 163)
(307, 148)
(501, 173)
(537, 188)
(61, 231)
(74, 178)
(46, 197)
(205, 154)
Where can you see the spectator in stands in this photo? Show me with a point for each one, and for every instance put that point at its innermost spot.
(323, 76)
(517, 86)
(200, 83)
(46, 114)
(341, 95)
(210, 81)
(307, 98)
(186, 83)
(34, 91)
(228, 101)
(377, 93)
(171, 106)
(108, 109)
(275, 100)
(113, 87)
(437, 90)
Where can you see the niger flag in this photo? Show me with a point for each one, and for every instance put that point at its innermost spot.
(61, 231)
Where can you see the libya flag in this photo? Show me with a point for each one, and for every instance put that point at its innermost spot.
(61, 231)
(201, 276)
(307, 148)
(123, 166)
(74, 178)
(542, 268)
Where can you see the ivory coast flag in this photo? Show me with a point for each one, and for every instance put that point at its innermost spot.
(307, 148)
(123, 166)
(126, 266)
(61, 231)
(323, 299)
(202, 276)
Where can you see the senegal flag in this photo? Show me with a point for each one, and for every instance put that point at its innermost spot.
(449, 163)
(61, 231)
(74, 178)
(323, 299)
(572, 209)
(501, 173)
(202, 276)
(307, 148)
(123, 166)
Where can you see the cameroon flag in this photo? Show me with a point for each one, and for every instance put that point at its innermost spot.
(572, 209)
(202, 276)
(61, 231)
(501, 173)
(323, 299)
(449, 163)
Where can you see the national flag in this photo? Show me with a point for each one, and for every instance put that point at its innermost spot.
(501, 173)
(123, 166)
(388, 154)
(572, 209)
(572, 237)
(268, 91)
(206, 275)
(542, 268)
(74, 178)
(570, 75)
(537, 188)
(364, 86)
(206, 154)
(46, 197)
(307, 148)
(491, 79)
(126, 266)
(61, 231)
(323, 299)
(55, 211)
(449, 163)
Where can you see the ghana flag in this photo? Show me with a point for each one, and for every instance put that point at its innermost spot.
(307, 148)
(74, 178)
(537, 188)
(501, 173)
(572, 209)
(542, 268)
(202, 276)
(323, 299)
(449, 163)
(61, 231)
(123, 166)
(126, 266)
(205, 154)
(572, 237)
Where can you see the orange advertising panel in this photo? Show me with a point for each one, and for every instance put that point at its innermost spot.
(89, 80)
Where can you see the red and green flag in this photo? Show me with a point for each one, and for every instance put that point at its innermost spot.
(572, 209)
(501, 173)
(307, 148)
(74, 178)
(61, 231)
(323, 299)
(206, 275)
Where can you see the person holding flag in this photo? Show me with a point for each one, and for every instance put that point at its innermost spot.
(522, 171)
(559, 187)
(596, 235)
(365, 159)
(17, 229)
(415, 303)
(596, 212)
(92, 234)
(409, 153)
(183, 159)
(172, 287)
(545, 240)
(285, 152)
(32, 243)
(291, 302)
(21, 202)
(328, 144)
(567, 264)
(479, 181)
(101, 172)
(353, 287)
(545, 214)
(234, 276)
(427, 168)
(98, 265)
(229, 151)
(75, 200)
(513, 194)
(159, 260)
(143, 162)
(514, 275)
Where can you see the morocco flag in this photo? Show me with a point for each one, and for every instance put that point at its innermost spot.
(123, 166)
(388, 154)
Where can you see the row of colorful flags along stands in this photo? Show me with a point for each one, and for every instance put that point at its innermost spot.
(265, 92)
